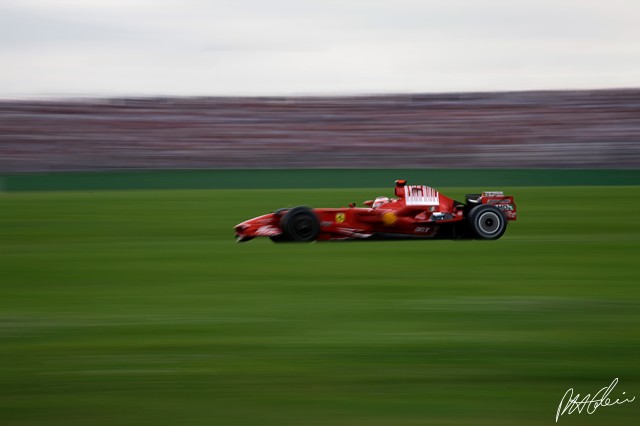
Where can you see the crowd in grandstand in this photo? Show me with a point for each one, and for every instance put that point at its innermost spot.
(519, 129)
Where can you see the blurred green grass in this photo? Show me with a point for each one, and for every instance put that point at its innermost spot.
(137, 307)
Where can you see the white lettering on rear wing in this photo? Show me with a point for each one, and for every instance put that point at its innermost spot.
(421, 195)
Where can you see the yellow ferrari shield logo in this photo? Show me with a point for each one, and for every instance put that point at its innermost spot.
(340, 217)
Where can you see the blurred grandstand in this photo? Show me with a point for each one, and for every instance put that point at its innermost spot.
(555, 129)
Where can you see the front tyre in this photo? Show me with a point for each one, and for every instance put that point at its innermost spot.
(487, 222)
(300, 224)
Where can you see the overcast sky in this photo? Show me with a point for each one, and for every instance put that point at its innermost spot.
(245, 47)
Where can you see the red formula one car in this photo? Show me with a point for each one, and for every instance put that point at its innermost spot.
(417, 212)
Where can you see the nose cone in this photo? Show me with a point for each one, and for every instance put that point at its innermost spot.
(250, 223)
(242, 228)
(246, 223)
(241, 234)
(261, 226)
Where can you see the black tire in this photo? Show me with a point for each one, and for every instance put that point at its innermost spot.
(487, 222)
(300, 224)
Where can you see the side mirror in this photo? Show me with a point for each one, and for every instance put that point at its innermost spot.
(352, 205)
(400, 183)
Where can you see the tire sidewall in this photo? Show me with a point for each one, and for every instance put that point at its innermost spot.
(482, 219)
(293, 217)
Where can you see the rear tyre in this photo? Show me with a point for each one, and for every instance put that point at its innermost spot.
(300, 224)
(487, 222)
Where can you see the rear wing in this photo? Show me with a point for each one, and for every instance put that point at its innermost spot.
(506, 203)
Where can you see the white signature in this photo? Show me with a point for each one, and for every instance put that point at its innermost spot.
(570, 403)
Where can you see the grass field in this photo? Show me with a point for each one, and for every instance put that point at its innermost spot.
(137, 307)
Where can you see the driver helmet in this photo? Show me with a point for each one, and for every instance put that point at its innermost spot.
(380, 201)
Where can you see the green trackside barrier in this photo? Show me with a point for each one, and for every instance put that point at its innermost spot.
(311, 178)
